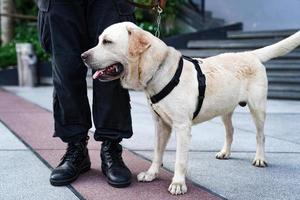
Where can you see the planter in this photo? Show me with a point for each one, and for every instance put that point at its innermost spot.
(9, 76)
(45, 73)
(44, 69)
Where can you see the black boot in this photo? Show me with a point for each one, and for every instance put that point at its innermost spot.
(113, 167)
(75, 161)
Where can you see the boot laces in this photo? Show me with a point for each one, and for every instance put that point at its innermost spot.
(113, 154)
(73, 153)
(114, 158)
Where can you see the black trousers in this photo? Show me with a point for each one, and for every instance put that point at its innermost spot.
(67, 28)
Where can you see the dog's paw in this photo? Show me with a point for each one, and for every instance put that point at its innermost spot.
(259, 162)
(146, 177)
(222, 155)
(177, 188)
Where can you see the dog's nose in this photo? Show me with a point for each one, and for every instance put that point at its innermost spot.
(84, 56)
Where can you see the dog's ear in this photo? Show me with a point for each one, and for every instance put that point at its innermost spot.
(137, 41)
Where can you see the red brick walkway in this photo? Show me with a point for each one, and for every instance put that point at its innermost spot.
(34, 126)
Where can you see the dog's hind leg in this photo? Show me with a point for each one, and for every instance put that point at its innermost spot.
(257, 106)
(163, 132)
(183, 137)
(225, 152)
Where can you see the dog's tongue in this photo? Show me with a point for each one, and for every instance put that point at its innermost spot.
(109, 73)
(97, 74)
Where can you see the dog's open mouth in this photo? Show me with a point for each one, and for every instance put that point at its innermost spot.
(109, 73)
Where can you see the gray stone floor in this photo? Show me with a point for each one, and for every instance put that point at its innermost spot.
(23, 175)
(235, 178)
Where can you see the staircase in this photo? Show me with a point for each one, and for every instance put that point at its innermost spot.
(283, 73)
(192, 16)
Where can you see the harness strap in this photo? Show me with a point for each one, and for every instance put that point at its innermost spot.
(170, 86)
(175, 80)
(201, 84)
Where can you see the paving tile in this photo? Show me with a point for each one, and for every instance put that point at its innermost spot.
(93, 185)
(14, 105)
(22, 174)
(36, 130)
(237, 179)
(8, 141)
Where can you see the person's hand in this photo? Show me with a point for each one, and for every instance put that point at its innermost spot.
(162, 3)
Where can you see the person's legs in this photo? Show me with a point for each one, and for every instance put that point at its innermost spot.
(63, 33)
(69, 39)
(111, 107)
(111, 103)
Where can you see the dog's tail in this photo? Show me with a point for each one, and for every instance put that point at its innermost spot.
(278, 49)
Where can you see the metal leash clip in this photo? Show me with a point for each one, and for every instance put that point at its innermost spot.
(159, 10)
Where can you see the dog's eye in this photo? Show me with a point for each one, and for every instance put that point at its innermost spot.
(105, 41)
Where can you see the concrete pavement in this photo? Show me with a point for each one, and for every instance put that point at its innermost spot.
(34, 126)
(23, 175)
(235, 178)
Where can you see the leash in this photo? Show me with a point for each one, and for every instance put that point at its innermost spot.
(175, 81)
(159, 10)
(154, 5)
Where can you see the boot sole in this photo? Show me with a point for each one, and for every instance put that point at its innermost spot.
(70, 180)
(119, 185)
(116, 184)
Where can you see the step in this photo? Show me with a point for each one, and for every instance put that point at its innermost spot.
(203, 53)
(283, 62)
(284, 87)
(260, 34)
(195, 19)
(284, 79)
(197, 8)
(188, 11)
(284, 66)
(201, 25)
(230, 44)
(213, 23)
(284, 95)
(207, 13)
(283, 73)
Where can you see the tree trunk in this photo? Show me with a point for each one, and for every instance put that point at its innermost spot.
(7, 23)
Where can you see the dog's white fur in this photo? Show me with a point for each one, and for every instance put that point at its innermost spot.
(231, 78)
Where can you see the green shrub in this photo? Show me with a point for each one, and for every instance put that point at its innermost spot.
(27, 32)
(147, 19)
(24, 33)
(26, 7)
(8, 55)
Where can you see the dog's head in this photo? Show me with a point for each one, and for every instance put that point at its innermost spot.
(127, 52)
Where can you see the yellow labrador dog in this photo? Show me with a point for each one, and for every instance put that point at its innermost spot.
(144, 62)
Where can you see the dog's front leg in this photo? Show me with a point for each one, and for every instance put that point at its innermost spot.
(183, 136)
(162, 132)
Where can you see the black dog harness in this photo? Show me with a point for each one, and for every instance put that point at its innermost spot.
(175, 80)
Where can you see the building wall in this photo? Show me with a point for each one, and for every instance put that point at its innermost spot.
(258, 14)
